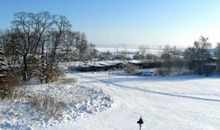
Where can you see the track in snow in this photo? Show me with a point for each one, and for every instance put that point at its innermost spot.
(160, 109)
(152, 91)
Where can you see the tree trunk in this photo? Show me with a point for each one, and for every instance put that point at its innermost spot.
(24, 70)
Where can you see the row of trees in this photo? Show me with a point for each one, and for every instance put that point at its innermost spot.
(200, 58)
(37, 42)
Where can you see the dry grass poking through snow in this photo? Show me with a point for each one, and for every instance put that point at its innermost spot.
(51, 103)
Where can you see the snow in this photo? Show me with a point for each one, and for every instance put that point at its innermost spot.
(65, 100)
(110, 62)
(188, 102)
(135, 61)
(170, 103)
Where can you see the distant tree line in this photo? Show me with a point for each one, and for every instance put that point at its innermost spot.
(201, 58)
(37, 42)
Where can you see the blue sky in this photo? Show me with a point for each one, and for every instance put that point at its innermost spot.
(130, 22)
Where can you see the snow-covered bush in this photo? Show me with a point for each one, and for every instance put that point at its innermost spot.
(49, 104)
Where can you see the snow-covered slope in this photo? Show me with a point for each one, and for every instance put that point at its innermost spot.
(51, 104)
(165, 103)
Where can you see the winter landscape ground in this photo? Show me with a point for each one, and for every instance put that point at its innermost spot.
(170, 102)
(95, 101)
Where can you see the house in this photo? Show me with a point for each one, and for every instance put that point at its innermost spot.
(144, 64)
(99, 66)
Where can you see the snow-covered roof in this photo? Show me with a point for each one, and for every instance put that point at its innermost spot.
(96, 64)
(139, 61)
(115, 61)
(110, 63)
(135, 61)
(105, 63)
(83, 65)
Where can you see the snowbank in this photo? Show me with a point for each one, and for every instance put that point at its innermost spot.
(50, 104)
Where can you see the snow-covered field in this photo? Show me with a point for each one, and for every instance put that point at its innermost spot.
(100, 102)
(165, 103)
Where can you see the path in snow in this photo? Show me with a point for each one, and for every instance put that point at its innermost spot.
(158, 102)
(152, 91)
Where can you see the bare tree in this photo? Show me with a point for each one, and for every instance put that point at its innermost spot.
(58, 37)
(202, 53)
(32, 30)
(39, 37)
(167, 58)
(82, 46)
(23, 26)
(43, 26)
(177, 59)
(198, 55)
(189, 56)
(37, 42)
(172, 59)
(142, 51)
(92, 53)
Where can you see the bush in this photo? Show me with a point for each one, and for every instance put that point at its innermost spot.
(162, 71)
(52, 76)
(47, 76)
(207, 69)
(8, 83)
(173, 71)
(46, 104)
(131, 69)
(68, 81)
